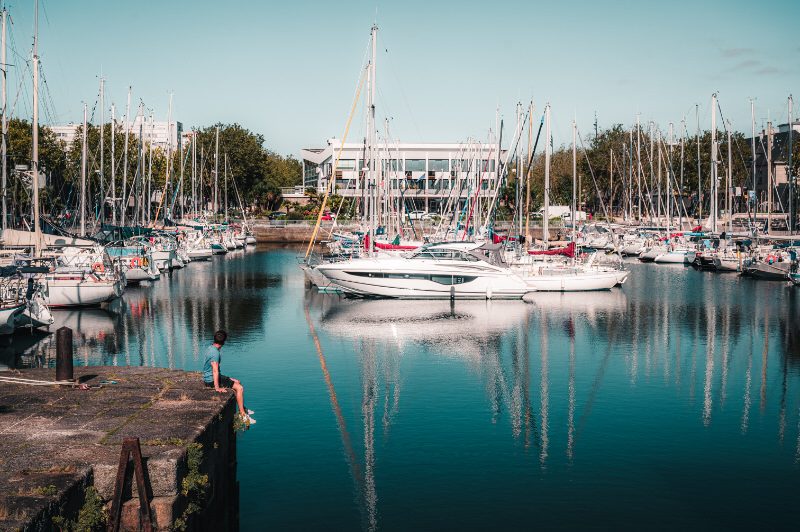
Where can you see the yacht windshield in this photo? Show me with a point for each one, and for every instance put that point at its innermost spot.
(444, 254)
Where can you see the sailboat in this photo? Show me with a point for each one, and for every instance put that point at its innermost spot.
(570, 276)
(64, 282)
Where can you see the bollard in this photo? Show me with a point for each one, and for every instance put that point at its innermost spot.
(64, 354)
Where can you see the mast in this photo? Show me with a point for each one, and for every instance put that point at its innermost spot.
(753, 156)
(124, 206)
(37, 230)
(670, 195)
(680, 192)
(226, 187)
(180, 187)
(84, 158)
(574, 179)
(769, 176)
(194, 174)
(611, 179)
(792, 203)
(216, 176)
(113, 167)
(4, 125)
(149, 188)
(639, 166)
(547, 152)
(373, 166)
(102, 151)
(139, 180)
(699, 169)
(713, 205)
(657, 209)
(729, 182)
(168, 176)
(528, 177)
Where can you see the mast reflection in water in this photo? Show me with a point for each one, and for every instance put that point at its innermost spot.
(670, 402)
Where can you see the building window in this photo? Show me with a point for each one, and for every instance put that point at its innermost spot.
(438, 165)
(415, 165)
(346, 164)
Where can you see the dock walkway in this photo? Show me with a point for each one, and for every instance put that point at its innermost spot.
(58, 440)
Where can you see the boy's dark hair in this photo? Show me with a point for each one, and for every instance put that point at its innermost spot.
(220, 337)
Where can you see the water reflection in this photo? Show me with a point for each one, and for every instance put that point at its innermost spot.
(590, 353)
(165, 323)
(567, 398)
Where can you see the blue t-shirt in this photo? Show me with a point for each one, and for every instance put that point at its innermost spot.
(212, 355)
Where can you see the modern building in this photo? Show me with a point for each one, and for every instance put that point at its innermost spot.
(160, 133)
(424, 175)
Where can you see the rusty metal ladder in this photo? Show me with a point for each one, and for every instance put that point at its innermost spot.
(130, 446)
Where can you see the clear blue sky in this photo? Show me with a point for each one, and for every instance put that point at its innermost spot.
(288, 69)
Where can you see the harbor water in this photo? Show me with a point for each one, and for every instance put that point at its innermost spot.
(671, 402)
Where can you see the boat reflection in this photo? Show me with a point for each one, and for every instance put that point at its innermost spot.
(162, 323)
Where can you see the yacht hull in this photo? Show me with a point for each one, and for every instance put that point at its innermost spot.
(422, 284)
(80, 292)
(576, 282)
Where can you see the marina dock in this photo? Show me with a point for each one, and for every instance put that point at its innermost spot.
(58, 441)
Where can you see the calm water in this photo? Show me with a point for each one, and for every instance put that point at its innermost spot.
(672, 402)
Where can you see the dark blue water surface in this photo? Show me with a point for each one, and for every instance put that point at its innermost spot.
(672, 402)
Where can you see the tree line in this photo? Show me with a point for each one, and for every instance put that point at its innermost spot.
(635, 169)
(259, 172)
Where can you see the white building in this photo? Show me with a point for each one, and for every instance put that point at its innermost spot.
(160, 133)
(425, 175)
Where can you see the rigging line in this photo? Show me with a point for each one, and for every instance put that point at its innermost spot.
(336, 163)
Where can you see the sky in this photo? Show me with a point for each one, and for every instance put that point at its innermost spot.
(445, 69)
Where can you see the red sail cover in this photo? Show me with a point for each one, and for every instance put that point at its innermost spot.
(568, 251)
(388, 247)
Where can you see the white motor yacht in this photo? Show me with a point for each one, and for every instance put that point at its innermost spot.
(461, 270)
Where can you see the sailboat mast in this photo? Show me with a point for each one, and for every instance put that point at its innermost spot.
(37, 230)
(149, 190)
(682, 206)
(753, 156)
(714, 163)
(4, 71)
(216, 175)
(699, 168)
(102, 151)
(528, 178)
(181, 196)
(769, 176)
(574, 179)
(729, 182)
(168, 176)
(139, 178)
(113, 166)
(84, 157)
(639, 166)
(194, 174)
(124, 206)
(373, 165)
(547, 152)
(226, 187)
(792, 202)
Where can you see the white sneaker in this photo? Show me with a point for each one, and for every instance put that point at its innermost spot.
(250, 421)
(250, 412)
